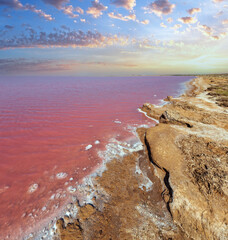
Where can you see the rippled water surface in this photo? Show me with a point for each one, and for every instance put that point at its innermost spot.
(46, 125)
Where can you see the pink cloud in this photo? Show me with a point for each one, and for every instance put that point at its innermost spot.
(96, 9)
(163, 25)
(11, 3)
(128, 4)
(129, 17)
(69, 10)
(39, 12)
(176, 26)
(79, 10)
(187, 20)
(121, 17)
(160, 7)
(145, 22)
(194, 10)
(56, 3)
(209, 32)
(225, 21)
(16, 4)
(219, 36)
(169, 20)
(66, 9)
(206, 30)
(217, 1)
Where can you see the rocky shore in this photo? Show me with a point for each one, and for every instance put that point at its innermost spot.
(176, 186)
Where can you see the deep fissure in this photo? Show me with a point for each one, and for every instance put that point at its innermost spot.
(166, 178)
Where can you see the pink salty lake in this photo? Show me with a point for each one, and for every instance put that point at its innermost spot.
(46, 125)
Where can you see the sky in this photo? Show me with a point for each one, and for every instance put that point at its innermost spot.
(113, 37)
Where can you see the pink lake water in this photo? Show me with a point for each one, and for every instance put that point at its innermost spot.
(46, 123)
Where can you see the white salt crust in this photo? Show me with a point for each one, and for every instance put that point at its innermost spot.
(33, 188)
(61, 175)
(155, 120)
(117, 122)
(88, 147)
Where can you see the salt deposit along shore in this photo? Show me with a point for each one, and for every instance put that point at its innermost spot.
(173, 186)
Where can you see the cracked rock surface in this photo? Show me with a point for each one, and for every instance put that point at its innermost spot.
(196, 158)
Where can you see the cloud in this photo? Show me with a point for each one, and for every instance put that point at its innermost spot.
(163, 25)
(79, 10)
(219, 36)
(121, 17)
(25, 25)
(66, 9)
(65, 27)
(220, 13)
(8, 27)
(96, 9)
(60, 38)
(102, 63)
(129, 17)
(22, 65)
(176, 26)
(169, 20)
(69, 10)
(209, 32)
(187, 20)
(145, 22)
(11, 3)
(160, 7)
(149, 44)
(217, 1)
(10, 66)
(19, 6)
(206, 30)
(194, 10)
(128, 4)
(225, 21)
(56, 3)
(39, 12)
